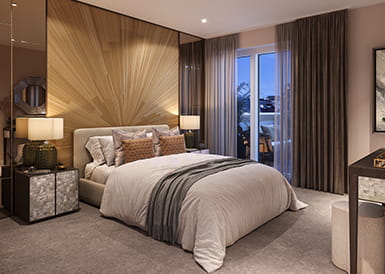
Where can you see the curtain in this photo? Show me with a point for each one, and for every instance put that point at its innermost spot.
(283, 122)
(191, 73)
(318, 80)
(221, 97)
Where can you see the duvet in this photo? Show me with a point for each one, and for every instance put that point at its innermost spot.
(217, 210)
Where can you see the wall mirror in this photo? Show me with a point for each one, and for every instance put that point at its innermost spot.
(30, 58)
(5, 104)
(23, 62)
(191, 82)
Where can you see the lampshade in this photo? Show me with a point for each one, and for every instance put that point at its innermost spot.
(22, 128)
(189, 121)
(45, 128)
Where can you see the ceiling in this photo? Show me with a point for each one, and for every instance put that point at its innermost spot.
(224, 16)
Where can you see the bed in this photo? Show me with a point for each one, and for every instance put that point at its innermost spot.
(92, 191)
(215, 212)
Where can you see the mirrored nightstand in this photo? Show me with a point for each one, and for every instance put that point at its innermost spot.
(45, 193)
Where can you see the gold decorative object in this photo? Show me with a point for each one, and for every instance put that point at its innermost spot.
(379, 161)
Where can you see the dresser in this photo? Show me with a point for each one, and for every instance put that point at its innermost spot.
(43, 194)
(366, 182)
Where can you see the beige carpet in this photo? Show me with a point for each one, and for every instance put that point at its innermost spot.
(84, 242)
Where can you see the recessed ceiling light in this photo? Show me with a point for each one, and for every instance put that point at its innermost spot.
(14, 5)
(204, 20)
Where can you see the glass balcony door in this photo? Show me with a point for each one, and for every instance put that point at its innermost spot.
(256, 103)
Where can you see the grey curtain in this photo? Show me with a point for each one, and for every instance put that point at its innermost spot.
(221, 97)
(191, 73)
(318, 81)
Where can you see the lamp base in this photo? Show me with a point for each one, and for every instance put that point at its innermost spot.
(189, 139)
(29, 151)
(45, 156)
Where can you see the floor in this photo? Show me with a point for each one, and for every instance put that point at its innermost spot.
(85, 242)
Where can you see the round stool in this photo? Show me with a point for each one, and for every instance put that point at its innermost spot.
(371, 237)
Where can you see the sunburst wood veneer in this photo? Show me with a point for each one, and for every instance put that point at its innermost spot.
(105, 69)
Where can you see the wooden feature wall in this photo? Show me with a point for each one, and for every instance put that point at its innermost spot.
(105, 69)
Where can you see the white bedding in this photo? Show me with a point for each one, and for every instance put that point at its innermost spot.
(217, 210)
(98, 173)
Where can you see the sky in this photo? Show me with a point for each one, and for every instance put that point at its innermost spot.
(266, 73)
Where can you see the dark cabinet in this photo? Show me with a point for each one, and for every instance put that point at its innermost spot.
(43, 195)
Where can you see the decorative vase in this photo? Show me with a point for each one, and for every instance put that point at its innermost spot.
(29, 151)
(45, 156)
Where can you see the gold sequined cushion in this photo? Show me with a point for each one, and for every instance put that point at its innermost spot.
(172, 145)
(137, 149)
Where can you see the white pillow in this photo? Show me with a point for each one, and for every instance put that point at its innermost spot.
(108, 150)
(95, 149)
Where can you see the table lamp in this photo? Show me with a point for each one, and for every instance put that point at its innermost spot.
(39, 130)
(190, 123)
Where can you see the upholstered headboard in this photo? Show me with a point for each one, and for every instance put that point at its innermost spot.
(81, 135)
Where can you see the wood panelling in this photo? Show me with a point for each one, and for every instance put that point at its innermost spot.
(105, 69)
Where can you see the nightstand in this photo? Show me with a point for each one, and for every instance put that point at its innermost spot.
(197, 150)
(43, 194)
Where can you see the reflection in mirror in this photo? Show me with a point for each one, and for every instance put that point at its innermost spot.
(191, 85)
(29, 64)
(30, 95)
(5, 105)
(23, 69)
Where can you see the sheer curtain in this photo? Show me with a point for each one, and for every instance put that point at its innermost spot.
(221, 97)
(315, 83)
(283, 122)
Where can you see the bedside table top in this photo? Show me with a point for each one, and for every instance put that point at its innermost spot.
(38, 172)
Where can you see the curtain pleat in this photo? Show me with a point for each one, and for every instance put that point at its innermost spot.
(318, 55)
(220, 100)
(191, 73)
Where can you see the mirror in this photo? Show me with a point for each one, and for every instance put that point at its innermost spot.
(23, 62)
(191, 83)
(29, 63)
(5, 106)
(30, 57)
(30, 95)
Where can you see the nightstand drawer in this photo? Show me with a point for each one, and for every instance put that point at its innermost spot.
(41, 197)
(67, 192)
(371, 189)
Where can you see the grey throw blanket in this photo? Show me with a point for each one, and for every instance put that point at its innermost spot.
(170, 191)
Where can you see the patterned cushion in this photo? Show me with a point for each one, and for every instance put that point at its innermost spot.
(119, 136)
(137, 149)
(95, 149)
(172, 145)
(156, 134)
(107, 145)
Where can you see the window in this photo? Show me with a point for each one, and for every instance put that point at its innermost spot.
(256, 103)
(266, 89)
(243, 105)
